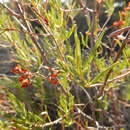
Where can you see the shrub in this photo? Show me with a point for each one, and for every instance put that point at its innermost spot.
(64, 78)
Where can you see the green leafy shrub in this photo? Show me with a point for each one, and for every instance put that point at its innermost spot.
(57, 84)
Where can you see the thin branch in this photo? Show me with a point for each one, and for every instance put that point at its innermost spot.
(119, 77)
(78, 9)
(118, 32)
(112, 80)
(41, 50)
(104, 25)
(13, 13)
(118, 55)
(52, 123)
(49, 31)
(14, 29)
(115, 60)
(88, 117)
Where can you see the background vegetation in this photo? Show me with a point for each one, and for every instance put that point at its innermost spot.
(64, 65)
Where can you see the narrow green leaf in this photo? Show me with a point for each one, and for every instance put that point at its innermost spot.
(101, 74)
(78, 59)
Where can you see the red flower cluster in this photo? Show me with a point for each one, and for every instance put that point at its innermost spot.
(99, 1)
(128, 7)
(118, 23)
(53, 79)
(25, 75)
(123, 14)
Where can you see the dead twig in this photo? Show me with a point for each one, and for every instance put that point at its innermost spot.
(41, 50)
(118, 32)
(42, 22)
(115, 60)
(112, 80)
(52, 123)
(88, 117)
(13, 13)
(14, 29)
(78, 9)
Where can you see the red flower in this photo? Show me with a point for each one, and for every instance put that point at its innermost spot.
(21, 78)
(25, 77)
(25, 83)
(53, 79)
(128, 4)
(99, 1)
(128, 7)
(19, 70)
(123, 13)
(25, 70)
(118, 23)
(54, 75)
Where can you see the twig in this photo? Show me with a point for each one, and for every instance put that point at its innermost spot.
(88, 117)
(93, 24)
(14, 29)
(112, 80)
(89, 97)
(78, 9)
(118, 77)
(49, 31)
(41, 50)
(13, 13)
(118, 32)
(115, 60)
(90, 101)
(118, 54)
(52, 123)
(104, 25)
(32, 35)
